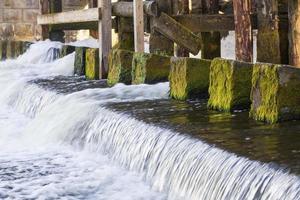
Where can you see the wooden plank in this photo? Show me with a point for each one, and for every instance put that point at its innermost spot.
(178, 33)
(243, 30)
(123, 9)
(138, 18)
(294, 35)
(105, 38)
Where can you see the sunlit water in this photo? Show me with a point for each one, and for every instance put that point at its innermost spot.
(58, 140)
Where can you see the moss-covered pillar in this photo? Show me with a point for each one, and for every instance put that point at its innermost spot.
(1, 51)
(159, 44)
(120, 67)
(294, 32)
(92, 64)
(9, 49)
(275, 93)
(18, 48)
(79, 64)
(150, 68)
(189, 77)
(271, 46)
(230, 84)
(66, 50)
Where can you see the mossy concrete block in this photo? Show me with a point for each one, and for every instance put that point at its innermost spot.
(79, 65)
(1, 51)
(120, 67)
(18, 48)
(230, 84)
(150, 68)
(189, 77)
(275, 93)
(9, 49)
(66, 50)
(92, 64)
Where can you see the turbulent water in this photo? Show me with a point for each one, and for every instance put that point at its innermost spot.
(67, 145)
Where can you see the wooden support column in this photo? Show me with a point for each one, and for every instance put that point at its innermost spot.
(294, 34)
(105, 40)
(44, 5)
(56, 35)
(158, 43)
(183, 9)
(93, 4)
(271, 47)
(138, 18)
(243, 30)
(211, 41)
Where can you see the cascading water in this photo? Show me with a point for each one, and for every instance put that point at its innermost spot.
(70, 146)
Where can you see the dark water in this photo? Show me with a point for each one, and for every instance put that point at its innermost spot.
(235, 132)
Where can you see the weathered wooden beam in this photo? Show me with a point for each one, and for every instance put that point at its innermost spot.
(122, 9)
(211, 41)
(44, 6)
(243, 30)
(56, 7)
(294, 33)
(105, 38)
(178, 33)
(138, 18)
(270, 47)
(209, 22)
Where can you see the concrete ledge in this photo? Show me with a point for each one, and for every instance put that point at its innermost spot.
(275, 93)
(189, 77)
(150, 68)
(230, 84)
(92, 64)
(120, 67)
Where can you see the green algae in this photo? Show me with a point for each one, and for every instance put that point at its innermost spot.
(150, 68)
(189, 77)
(79, 64)
(230, 84)
(92, 64)
(275, 93)
(120, 67)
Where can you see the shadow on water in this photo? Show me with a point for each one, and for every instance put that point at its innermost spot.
(235, 132)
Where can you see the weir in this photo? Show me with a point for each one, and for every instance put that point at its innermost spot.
(89, 120)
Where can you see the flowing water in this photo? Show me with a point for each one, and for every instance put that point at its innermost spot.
(63, 137)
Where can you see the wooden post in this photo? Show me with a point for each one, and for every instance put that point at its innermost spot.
(294, 35)
(211, 41)
(105, 40)
(270, 47)
(138, 18)
(56, 7)
(44, 5)
(243, 30)
(180, 51)
(93, 4)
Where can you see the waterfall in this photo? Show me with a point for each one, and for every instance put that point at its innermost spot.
(181, 166)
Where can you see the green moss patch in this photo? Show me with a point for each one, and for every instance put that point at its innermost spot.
(120, 67)
(66, 50)
(79, 65)
(189, 77)
(230, 84)
(275, 93)
(92, 64)
(150, 68)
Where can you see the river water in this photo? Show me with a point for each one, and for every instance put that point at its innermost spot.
(63, 137)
